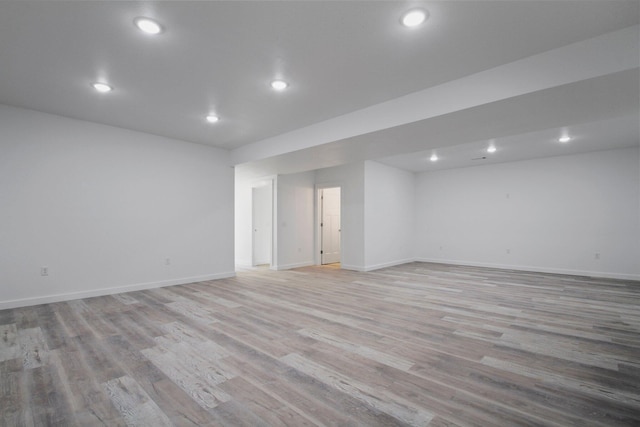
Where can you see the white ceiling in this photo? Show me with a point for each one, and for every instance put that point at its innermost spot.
(339, 57)
(556, 110)
(619, 132)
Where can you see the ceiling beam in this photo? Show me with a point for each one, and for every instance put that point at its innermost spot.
(599, 56)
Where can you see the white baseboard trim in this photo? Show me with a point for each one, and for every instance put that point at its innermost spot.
(351, 267)
(376, 266)
(25, 302)
(294, 265)
(598, 274)
(388, 264)
(243, 263)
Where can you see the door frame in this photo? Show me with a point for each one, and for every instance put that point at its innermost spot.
(259, 184)
(318, 219)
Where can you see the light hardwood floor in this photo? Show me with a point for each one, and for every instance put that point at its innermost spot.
(418, 344)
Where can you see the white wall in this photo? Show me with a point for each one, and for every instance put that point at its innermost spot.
(295, 235)
(552, 214)
(389, 211)
(295, 220)
(350, 178)
(103, 207)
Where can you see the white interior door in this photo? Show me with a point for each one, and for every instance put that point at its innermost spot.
(330, 225)
(262, 213)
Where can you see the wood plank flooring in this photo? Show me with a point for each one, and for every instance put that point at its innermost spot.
(417, 345)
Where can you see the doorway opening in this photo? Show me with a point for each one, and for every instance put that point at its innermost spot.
(262, 224)
(329, 225)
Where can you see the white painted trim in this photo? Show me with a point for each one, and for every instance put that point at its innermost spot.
(294, 265)
(317, 218)
(271, 181)
(352, 267)
(597, 274)
(388, 264)
(274, 224)
(25, 302)
(243, 263)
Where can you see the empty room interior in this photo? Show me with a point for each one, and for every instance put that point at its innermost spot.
(354, 213)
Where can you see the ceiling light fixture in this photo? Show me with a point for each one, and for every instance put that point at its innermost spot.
(433, 158)
(212, 118)
(101, 87)
(147, 25)
(279, 84)
(491, 149)
(414, 17)
(564, 139)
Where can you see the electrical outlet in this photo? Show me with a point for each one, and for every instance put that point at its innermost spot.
(44, 271)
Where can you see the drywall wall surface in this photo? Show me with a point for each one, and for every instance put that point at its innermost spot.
(295, 220)
(350, 178)
(106, 209)
(389, 206)
(574, 214)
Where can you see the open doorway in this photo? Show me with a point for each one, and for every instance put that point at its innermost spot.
(329, 223)
(262, 224)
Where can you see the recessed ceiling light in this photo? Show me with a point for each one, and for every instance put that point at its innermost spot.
(564, 139)
(101, 87)
(433, 158)
(147, 25)
(491, 149)
(279, 84)
(212, 118)
(414, 17)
